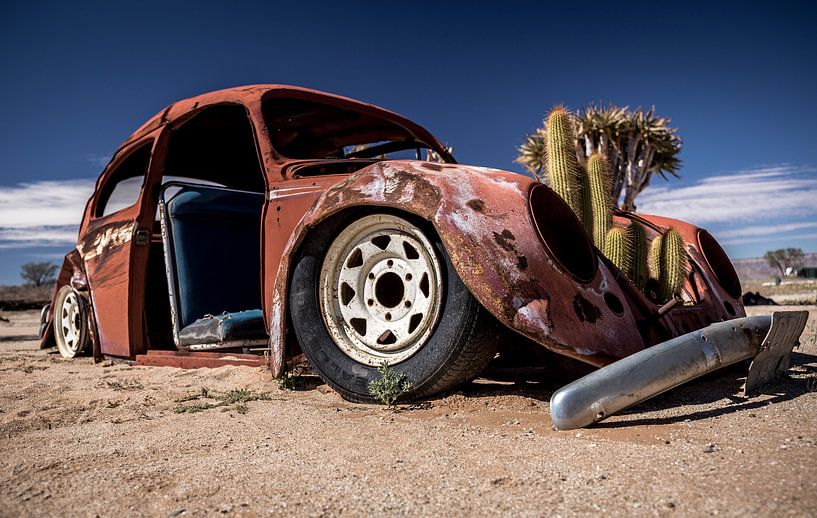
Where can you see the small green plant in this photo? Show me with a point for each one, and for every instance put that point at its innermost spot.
(124, 385)
(292, 378)
(241, 396)
(235, 397)
(198, 407)
(389, 386)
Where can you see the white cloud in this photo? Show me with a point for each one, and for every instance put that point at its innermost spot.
(780, 191)
(45, 213)
(767, 238)
(30, 237)
(765, 230)
(44, 204)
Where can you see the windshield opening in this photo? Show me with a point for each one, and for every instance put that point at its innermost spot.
(309, 129)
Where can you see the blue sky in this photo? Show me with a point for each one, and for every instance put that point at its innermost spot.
(738, 80)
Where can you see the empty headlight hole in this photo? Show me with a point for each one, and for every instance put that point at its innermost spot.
(562, 233)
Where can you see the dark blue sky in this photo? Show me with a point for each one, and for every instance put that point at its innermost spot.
(738, 80)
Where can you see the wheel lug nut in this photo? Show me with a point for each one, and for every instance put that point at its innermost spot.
(408, 276)
(388, 316)
(371, 275)
(408, 303)
(389, 263)
(370, 302)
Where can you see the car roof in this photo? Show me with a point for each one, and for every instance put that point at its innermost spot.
(250, 94)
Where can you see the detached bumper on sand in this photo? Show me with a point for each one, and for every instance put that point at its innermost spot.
(768, 340)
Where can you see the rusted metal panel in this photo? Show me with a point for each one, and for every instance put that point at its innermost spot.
(198, 360)
(482, 218)
(106, 252)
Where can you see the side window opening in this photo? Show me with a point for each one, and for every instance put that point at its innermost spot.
(123, 185)
(216, 147)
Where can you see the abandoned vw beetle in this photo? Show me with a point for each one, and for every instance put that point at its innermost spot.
(280, 220)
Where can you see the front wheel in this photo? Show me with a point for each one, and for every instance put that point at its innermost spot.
(70, 322)
(381, 289)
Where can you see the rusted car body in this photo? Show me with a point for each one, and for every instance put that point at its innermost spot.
(514, 243)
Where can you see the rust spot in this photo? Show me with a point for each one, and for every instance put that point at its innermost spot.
(504, 239)
(431, 166)
(476, 204)
(534, 318)
(585, 309)
(522, 262)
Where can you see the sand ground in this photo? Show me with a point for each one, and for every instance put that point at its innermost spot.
(112, 439)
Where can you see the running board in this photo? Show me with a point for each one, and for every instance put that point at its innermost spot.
(197, 360)
(767, 339)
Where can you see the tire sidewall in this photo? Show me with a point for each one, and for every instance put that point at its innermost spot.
(349, 377)
(66, 351)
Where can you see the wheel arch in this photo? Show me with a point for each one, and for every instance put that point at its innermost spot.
(481, 217)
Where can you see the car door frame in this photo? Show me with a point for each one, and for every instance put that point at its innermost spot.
(115, 250)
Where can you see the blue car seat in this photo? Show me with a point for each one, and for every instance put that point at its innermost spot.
(212, 242)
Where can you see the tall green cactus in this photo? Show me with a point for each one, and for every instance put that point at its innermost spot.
(617, 248)
(637, 239)
(587, 192)
(596, 199)
(563, 168)
(668, 264)
(673, 265)
(655, 257)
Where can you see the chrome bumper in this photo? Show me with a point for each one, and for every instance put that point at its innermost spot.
(768, 339)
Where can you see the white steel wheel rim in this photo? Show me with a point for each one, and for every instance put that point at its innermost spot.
(380, 290)
(71, 322)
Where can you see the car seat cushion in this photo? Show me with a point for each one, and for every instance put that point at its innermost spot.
(215, 236)
(227, 327)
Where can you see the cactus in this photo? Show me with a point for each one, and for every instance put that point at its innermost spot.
(587, 192)
(671, 264)
(655, 257)
(563, 168)
(637, 239)
(586, 204)
(617, 248)
(596, 199)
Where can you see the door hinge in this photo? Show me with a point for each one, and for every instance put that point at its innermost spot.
(141, 236)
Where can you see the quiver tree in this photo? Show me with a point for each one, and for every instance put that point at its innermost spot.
(637, 145)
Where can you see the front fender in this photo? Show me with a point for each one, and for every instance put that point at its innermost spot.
(483, 220)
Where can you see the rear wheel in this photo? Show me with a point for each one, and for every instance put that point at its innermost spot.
(70, 322)
(381, 289)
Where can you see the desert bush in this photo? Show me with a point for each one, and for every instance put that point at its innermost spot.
(389, 386)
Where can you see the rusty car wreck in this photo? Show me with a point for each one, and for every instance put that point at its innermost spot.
(273, 221)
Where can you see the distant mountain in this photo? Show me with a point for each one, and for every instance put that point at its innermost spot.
(756, 268)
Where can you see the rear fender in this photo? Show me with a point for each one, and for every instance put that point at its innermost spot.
(72, 273)
(482, 218)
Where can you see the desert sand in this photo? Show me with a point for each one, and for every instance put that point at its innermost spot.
(111, 439)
